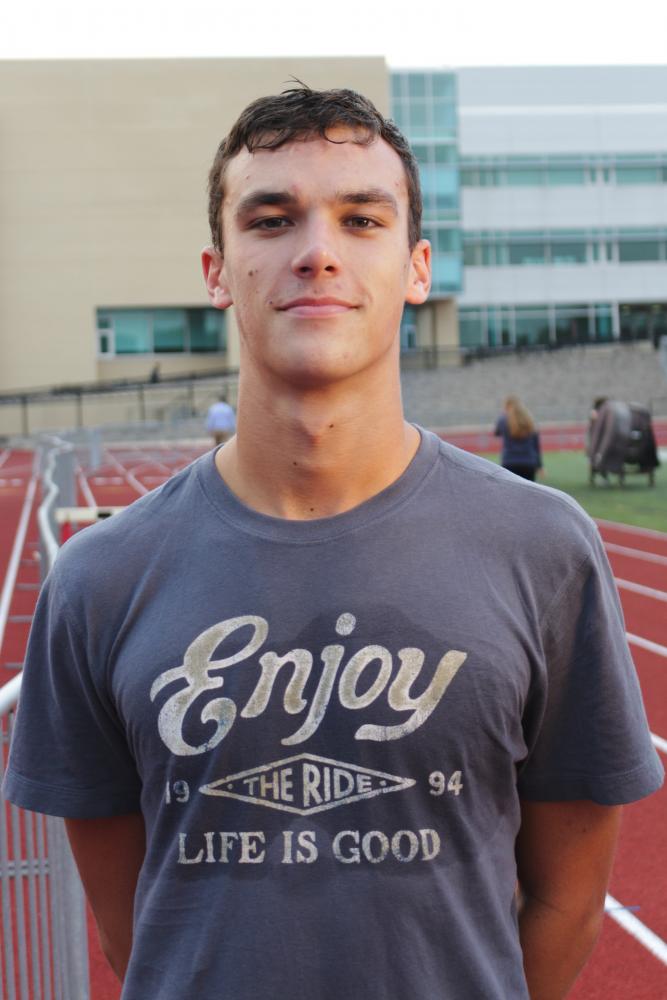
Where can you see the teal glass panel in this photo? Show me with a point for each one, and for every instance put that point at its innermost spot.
(445, 153)
(603, 323)
(638, 250)
(447, 276)
(490, 178)
(104, 343)
(207, 329)
(470, 178)
(418, 119)
(400, 116)
(532, 329)
(499, 330)
(472, 254)
(443, 85)
(417, 84)
(565, 176)
(408, 328)
(638, 175)
(488, 251)
(563, 252)
(421, 152)
(447, 241)
(133, 331)
(396, 85)
(169, 331)
(444, 118)
(471, 329)
(527, 253)
(572, 327)
(103, 321)
(524, 176)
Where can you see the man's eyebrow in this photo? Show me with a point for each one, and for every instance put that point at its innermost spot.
(259, 198)
(366, 196)
(369, 196)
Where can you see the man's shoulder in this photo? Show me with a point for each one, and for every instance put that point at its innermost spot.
(120, 544)
(504, 507)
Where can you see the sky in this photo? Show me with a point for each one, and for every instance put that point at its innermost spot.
(410, 33)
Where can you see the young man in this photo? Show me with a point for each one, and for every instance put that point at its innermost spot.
(313, 739)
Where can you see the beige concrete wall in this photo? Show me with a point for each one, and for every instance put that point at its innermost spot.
(103, 170)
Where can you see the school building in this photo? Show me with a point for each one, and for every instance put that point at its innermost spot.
(545, 199)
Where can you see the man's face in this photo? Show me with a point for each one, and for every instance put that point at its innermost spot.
(316, 257)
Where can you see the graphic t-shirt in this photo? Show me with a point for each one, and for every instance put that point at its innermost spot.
(328, 725)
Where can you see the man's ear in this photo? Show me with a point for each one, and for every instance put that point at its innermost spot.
(419, 279)
(213, 266)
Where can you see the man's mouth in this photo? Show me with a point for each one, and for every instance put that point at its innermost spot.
(313, 307)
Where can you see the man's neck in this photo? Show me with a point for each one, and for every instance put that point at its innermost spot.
(304, 455)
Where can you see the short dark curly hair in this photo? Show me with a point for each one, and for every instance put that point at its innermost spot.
(298, 114)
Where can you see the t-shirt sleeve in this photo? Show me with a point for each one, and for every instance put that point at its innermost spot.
(584, 722)
(68, 755)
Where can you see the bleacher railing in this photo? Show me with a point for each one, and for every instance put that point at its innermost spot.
(44, 951)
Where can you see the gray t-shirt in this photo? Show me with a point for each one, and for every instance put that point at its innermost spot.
(328, 725)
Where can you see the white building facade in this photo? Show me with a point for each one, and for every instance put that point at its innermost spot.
(563, 204)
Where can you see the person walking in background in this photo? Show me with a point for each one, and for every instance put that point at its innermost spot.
(521, 454)
(220, 420)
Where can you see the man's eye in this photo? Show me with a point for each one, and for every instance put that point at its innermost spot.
(272, 222)
(361, 222)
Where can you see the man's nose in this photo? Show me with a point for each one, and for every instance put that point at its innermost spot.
(317, 253)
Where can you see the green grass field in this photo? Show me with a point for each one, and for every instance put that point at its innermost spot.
(634, 503)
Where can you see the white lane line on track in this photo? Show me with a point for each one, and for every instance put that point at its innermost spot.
(639, 931)
(623, 550)
(652, 647)
(4, 455)
(85, 488)
(132, 480)
(659, 743)
(639, 588)
(632, 529)
(15, 557)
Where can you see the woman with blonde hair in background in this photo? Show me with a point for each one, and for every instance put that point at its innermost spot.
(521, 443)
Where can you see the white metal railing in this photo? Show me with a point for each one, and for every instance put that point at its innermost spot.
(44, 951)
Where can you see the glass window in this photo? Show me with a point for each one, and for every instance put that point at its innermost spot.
(471, 254)
(563, 252)
(400, 115)
(408, 328)
(444, 118)
(528, 252)
(603, 323)
(444, 153)
(490, 178)
(207, 330)
(532, 329)
(471, 329)
(418, 125)
(524, 176)
(397, 84)
(638, 250)
(421, 152)
(169, 330)
(447, 275)
(572, 325)
(443, 85)
(133, 331)
(499, 330)
(103, 321)
(447, 240)
(417, 84)
(104, 343)
(561, 176)
(638, 175)
(470, 178)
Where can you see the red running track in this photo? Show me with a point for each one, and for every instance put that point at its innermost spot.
(621, 967)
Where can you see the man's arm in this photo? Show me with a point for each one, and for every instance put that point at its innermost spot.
(109, 853)
(564, 856)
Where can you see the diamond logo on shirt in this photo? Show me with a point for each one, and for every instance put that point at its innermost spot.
(306, 784)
